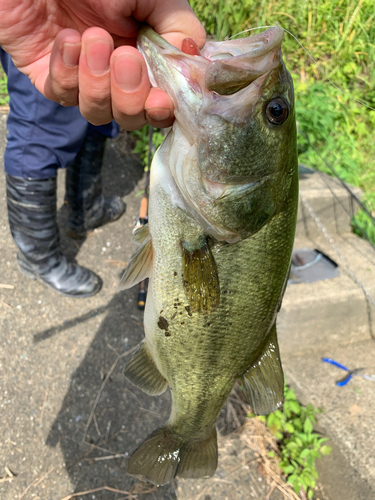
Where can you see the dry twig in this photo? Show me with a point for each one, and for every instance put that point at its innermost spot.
(108, 457)
(5, 304)
(96, 426)
(200, 494)
(117, 263)
(256, 441)
(9, 472)
(36, 482)
(43, 405)
(95, 490)
(273, 486)
(101, 390)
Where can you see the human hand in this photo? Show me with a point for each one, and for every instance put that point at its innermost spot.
(83, 52)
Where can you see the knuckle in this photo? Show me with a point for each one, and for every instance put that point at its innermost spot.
(96, 98)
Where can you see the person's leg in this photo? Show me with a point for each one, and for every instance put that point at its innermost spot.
(88, 208)
(42, 137)
(32, 220)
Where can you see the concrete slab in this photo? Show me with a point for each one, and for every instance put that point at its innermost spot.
(334, 318)
(330, 201)
(322, 313)
(348, 418)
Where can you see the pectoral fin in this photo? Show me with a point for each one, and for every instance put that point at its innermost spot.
(139, 266)
(201, 279)
(143, 373)
(140, 234)
(264, 381)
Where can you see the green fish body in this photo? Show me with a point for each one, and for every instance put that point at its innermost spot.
(222, 215)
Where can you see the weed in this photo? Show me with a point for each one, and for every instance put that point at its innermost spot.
(4, 97)
(340, 34)
(299, 445)
(142, 143)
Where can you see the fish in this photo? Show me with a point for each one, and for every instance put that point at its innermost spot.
(217, 248)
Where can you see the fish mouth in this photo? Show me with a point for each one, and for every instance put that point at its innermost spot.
(237, 63)
(222, 67)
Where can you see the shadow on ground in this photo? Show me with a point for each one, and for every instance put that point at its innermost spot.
(123, 415)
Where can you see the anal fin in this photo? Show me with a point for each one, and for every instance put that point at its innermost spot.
(264, 381)
(143, 373)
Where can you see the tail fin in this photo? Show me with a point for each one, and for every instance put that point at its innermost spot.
(165, 455)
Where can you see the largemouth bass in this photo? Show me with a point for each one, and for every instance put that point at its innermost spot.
(222, 216)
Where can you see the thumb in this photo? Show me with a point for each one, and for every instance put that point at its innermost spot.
(175, 21)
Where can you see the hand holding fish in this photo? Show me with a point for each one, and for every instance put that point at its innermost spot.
(84, 53)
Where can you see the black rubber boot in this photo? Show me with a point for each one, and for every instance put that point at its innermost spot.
(88, 208)
(32, 220)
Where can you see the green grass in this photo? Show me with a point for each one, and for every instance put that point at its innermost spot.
(340, 34)
(300, 446)
(4, 97)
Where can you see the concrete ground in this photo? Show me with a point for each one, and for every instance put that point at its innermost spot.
(60, 359)
(55, 354)
(334, 318)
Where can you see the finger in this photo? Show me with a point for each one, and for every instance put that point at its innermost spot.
(174, 20)
(94, 76)
(130, 87)
(159, 109)
(61, 84)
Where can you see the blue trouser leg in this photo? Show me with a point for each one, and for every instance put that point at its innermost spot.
(43, 136)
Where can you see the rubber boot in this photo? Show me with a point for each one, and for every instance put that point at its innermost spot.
(32, 220)
(88, 208)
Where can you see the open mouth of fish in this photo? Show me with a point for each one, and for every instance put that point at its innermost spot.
(223, 83)
(227, 67)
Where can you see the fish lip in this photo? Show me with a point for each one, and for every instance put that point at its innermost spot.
(248, 60)
(252, 58)
(262, 43)
(252, 47)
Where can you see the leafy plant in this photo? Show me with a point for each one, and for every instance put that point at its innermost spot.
(142, 143)
(4, 97)
(363, 226)
(299, 445)
(340, 35)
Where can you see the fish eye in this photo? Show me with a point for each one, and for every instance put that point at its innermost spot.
(277, 111)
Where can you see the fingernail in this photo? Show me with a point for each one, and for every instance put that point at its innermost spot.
(70, 53)
(98, 55)
(128, 72)
(159, 114)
